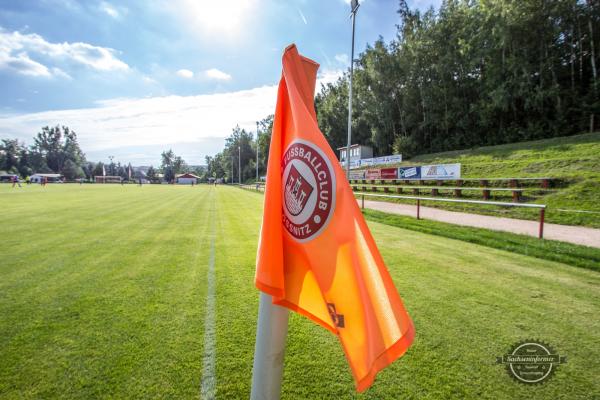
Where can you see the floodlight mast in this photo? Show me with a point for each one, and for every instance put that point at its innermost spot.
(240, 165)
(111, 158)
(354, 5)
(256, 151)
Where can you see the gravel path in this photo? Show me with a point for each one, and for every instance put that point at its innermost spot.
(564, 233)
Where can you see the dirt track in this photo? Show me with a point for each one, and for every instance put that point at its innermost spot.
(564, 233)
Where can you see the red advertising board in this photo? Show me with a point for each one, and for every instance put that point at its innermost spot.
(389, 173)
(373, 174)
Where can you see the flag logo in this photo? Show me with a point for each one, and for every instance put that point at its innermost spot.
(297, 192)
(308, 191)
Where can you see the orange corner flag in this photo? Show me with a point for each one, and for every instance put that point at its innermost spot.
(316, 255)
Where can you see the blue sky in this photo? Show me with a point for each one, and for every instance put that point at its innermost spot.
(135, 77)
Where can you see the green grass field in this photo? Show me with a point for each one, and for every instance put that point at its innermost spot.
(573, 160)
(103, 291)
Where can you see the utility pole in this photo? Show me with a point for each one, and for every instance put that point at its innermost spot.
(256, 151)
(240, 164)
(354, 5)
(231, 170)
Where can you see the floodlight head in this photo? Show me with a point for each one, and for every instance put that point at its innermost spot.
(354, 5)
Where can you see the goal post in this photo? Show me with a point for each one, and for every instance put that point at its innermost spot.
(107, 179)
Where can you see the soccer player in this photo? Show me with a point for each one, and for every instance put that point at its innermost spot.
(15, 181)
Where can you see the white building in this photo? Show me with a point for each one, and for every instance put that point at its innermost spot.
(37, 178)
(357, 152)
(187, 179)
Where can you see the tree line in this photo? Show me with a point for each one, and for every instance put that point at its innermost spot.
(472, 73)
(56, 150)
(240, 150)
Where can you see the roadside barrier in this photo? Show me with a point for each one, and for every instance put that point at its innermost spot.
(541, 207)
(260, 187)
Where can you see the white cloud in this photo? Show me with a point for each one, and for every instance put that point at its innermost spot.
(60, 73)
(185, 73)
(326, 76)
(151, 124)
(22, 64)
(149, 80)
(424, 5)
(109, 9)
(342, 59)
(216, 74)
(193, 126)
(16, 50)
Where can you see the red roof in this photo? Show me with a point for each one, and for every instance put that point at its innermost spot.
(187, 175)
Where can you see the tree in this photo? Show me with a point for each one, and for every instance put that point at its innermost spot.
(265, 129)
(240, 142)
(10, 154)
(98, 169)
(88, 169)
(332, 112)
(172, 165)
(57, 145)
(200, 171)
(151, 174)
(472, 73)
(72, 171)
(179, 165)
(166, 165)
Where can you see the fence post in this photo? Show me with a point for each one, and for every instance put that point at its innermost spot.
(542, 215)
(363, 201)
(418, 209)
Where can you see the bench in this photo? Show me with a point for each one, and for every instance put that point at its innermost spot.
(457, 190)
(512, 182)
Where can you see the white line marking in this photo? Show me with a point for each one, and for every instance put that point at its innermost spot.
(209, 379)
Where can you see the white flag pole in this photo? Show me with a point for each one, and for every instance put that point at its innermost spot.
(269, 351)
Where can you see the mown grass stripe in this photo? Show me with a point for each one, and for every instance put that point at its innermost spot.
(209, 379)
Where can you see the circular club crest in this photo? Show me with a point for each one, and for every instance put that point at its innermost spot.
(308, 190)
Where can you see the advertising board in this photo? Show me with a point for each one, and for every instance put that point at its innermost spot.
(440, 171)
(409, 173)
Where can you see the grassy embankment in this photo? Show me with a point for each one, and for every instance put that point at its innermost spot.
(573, 161)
